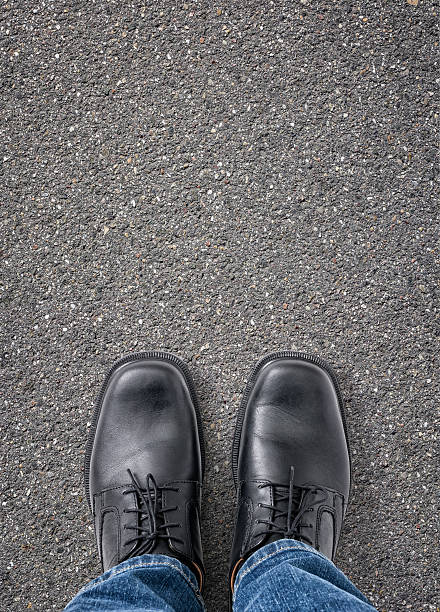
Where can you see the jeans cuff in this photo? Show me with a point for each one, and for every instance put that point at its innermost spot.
(272, 550)
(145, 562)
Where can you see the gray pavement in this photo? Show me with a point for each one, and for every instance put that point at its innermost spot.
(219, 181)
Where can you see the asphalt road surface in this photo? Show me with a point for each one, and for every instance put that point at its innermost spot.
(220, 181)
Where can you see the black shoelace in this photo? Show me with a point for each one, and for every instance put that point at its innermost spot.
(150, 510)
(299, 502)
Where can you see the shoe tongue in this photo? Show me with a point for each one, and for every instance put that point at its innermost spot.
(273, 538)
(161, 547)
(150, 513)
(281, 502)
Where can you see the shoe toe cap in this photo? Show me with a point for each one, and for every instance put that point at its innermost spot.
(147, 423)
(294, 418)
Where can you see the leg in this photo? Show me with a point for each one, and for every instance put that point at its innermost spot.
(289, 576)
(149, 582)
(291, 466)
(143, 477)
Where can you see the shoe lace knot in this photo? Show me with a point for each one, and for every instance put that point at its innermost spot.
(287, 520)
(151, 524)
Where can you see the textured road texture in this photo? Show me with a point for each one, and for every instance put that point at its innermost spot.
(220, 181)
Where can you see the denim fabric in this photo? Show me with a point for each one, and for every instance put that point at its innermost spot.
(281, 577)
(148, 582)
(288, 576)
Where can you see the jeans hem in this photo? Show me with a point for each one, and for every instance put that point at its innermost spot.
(134, 564)
(273, 550)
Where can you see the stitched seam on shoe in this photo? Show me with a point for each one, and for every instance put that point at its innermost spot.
(330, 510)
(122, 486)
(248, 569)
(249, 534)
(194, 482)
(247, 502)
(107, 510)
(139, 566)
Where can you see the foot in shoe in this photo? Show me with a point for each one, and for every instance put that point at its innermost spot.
(144, 462)
(291, 460)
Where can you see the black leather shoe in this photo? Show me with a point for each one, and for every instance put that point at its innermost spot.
(144, 462)
(290, 459)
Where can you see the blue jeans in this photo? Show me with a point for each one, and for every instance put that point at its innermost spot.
(280, 577)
